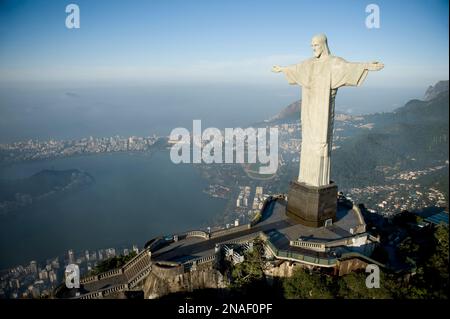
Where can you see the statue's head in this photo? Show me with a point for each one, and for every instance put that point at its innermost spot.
(319, 45)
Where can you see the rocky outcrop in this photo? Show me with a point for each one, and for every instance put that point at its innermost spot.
(434, 91)
(280, 270)
(166, 279)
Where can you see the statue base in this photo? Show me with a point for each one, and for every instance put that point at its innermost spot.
(311, 205)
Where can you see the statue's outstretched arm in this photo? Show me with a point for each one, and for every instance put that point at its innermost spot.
(293, 73)
(374, 66)
(277, 69)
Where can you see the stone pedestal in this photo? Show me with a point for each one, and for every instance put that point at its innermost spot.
(312, 206)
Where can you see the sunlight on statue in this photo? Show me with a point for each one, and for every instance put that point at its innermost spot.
(320, 77)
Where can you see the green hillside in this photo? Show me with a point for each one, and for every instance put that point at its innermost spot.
(413, 137)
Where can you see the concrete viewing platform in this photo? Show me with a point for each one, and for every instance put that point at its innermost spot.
(284, 239)
(283, 233)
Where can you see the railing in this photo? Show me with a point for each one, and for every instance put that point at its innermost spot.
(114, 289)
(314, 246)
(139, 277)
(242, 240)
(345, 240)
(294, 256)
(136, 259)
(92, 295)
(197, 233)
(326, 245)
(136, 266)
(231, 230)
(359, 215)
(202, 260)
(110, 273)
(89, 279)
(354, 254)
(134, 270)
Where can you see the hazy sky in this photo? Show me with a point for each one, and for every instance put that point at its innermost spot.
(221, 41)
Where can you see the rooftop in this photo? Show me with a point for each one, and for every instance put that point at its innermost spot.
(438, 218)
(275, 224)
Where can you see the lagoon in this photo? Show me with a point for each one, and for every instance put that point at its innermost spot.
(134, 198)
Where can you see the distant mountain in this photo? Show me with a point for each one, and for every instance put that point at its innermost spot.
(434, 91)
(412, 137)
(434, 109)
(290, 112)
(414, 109)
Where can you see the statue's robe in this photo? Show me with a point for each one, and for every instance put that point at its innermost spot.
(320, 79)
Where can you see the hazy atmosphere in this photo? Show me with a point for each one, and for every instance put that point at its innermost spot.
(153, 66)
(327, 155)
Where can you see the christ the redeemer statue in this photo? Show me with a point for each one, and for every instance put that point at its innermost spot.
(320, 77)
(312, 199)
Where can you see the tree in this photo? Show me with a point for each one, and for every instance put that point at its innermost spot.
(248, 271)
(436, 269)
(112, 263)
(251, 270)
(353, 286)
(305, 285)
(431, 276)
(409, 250)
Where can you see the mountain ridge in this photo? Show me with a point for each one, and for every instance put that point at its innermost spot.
(439, 90)
(434, 90)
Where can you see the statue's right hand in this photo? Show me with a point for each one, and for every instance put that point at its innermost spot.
(276, 69)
